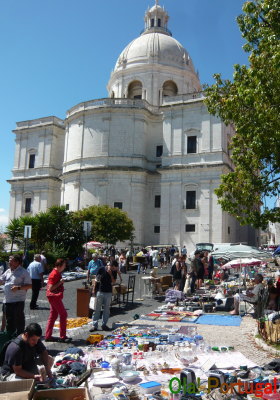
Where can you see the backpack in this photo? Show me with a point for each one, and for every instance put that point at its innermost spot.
(17, 341)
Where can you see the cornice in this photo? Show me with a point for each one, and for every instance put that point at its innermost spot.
(109, 169)
(33, 179)
(195, 166)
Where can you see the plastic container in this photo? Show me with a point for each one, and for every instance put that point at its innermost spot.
(150, 387)
(271, 396)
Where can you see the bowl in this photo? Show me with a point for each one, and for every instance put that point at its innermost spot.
(129, 376)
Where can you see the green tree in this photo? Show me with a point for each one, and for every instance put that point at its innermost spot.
(109, 225)
(3, 239)
(67, 231)
(14, 231)
(251, 103)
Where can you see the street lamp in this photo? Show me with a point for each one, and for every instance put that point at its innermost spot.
(87, 231)
(26, 235)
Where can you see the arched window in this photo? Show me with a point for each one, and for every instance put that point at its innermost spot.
(169, 89)
(135, 90)
(112, 95)
(159, 22)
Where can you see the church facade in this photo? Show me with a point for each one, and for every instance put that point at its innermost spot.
(150, 148)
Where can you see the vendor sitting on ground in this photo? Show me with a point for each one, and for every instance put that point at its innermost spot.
(252, 296)
(21, 362)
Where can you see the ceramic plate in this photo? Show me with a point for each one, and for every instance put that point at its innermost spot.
(103, 374)
(104, 382)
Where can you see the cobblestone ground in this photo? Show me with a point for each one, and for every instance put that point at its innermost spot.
(242, 338)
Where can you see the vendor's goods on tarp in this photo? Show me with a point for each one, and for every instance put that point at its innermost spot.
(75, 322)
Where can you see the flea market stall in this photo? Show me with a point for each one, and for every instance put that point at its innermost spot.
(160, 362)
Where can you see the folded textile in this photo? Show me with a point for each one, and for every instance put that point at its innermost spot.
(77, 368)
(74, 350)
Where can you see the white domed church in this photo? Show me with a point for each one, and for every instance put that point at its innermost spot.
(150, 148)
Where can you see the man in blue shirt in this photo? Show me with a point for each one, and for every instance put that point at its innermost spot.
(94, 266)
(36, 271)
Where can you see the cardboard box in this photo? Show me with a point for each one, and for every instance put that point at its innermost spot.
(17, 390)
(62, 394)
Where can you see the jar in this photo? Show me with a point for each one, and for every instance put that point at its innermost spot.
(146, 347)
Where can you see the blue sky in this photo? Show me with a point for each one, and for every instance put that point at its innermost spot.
(57, 53)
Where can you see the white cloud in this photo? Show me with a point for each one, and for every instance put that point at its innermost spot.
(4, 220)
(2, 210)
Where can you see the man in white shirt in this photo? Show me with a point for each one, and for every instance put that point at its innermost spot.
(154, 255)
(16, 281)
(252, 296)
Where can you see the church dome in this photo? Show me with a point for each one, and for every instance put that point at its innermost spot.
(154, 65)
(154, 47)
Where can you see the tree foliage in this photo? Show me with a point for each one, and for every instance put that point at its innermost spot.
(61, 232)
(14, 232)
(251, 103)
(109, 225)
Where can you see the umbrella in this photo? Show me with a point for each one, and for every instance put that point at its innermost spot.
(234, 251)
(242, 262)
(92, 245)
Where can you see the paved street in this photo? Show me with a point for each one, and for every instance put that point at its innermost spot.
(242, 338)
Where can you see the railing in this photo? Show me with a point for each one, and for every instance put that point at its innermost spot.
(107, 102)
(159, 29)
(40, 121)
(183, 97)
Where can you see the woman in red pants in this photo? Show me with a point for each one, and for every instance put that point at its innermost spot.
(55, 291)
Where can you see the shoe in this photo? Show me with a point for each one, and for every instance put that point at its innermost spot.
(65, 340)
(34, 308)
(93, 329)
(105, 328)
(50, 339)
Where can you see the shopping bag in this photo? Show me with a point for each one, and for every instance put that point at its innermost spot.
(92, 303)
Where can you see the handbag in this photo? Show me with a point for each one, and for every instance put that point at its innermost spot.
(92, 302)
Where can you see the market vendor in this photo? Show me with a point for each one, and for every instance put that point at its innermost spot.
(105, 278)
(252, 296)
(24, 354)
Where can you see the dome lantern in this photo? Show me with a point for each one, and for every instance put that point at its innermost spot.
(156, 20)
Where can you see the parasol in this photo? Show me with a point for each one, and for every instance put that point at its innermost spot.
(242, 262)
(92, 245)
